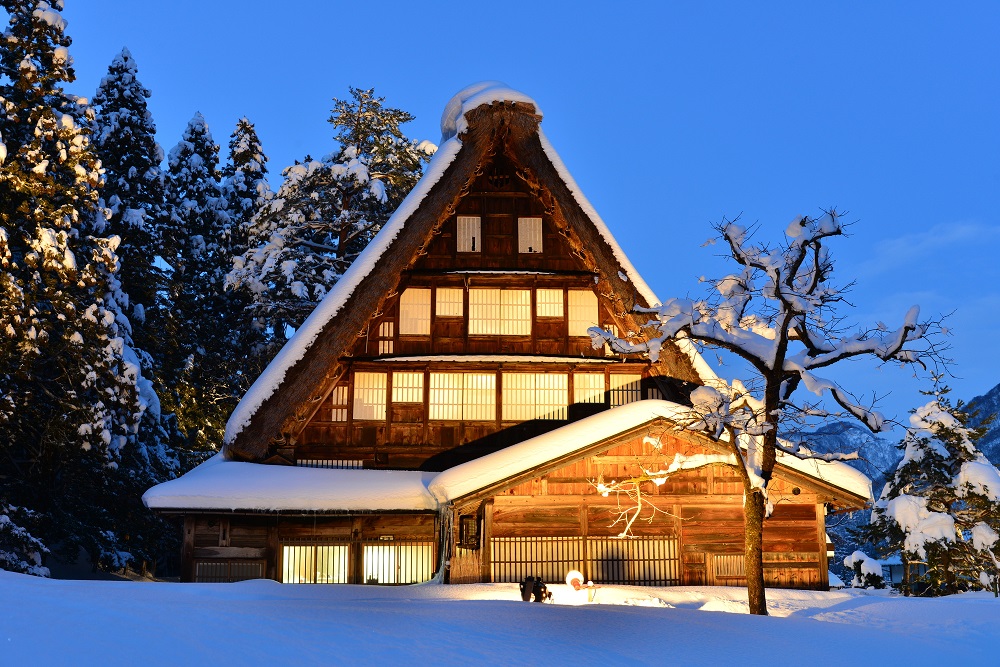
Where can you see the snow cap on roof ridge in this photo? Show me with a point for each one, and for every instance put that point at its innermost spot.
(453, 121)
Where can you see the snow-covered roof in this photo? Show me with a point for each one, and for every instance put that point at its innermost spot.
(453, 124)
(529, 454)
(224, 485)
(218, 484)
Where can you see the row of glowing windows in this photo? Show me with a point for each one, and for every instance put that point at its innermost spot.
(469, 236)
(473, 396)
(385, 562)
(494, 311)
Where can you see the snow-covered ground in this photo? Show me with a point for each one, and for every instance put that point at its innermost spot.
(48, 622)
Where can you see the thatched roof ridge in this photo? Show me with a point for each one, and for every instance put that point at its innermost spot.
(279, 403)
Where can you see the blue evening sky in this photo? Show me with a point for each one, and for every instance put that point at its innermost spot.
(669, 115)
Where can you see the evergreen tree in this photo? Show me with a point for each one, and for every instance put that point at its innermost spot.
(941, 507)
(197, 244)
(72, 394)
(125, 141)
(327, 211)
(247, 192)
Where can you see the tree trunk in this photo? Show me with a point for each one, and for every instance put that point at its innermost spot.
(754, 561)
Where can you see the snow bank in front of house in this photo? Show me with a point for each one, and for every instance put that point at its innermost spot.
(482, 624)
(218, 484)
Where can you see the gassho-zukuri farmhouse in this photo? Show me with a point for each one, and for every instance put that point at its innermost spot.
(443, 414)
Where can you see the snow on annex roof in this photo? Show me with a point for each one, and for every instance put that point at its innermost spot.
(453, 124)
(224, 485)
(218, 484)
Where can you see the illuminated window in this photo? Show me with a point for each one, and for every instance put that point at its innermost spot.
(549, 303)
(588, 387)
(534, 396)
(625, 388)
(315, 563)
(469, 236)
(449, 302)
(369, 396)
(504, 312)
(385, 337)
(415, 312)
(582, 311)
(391, 562)
(407, 387)
(529, 235)
(339, 400)
(463, 396)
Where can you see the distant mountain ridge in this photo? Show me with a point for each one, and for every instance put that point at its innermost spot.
(986, 406)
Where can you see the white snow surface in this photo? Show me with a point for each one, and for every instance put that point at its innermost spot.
(232, 485)
(267, 623)
(452, 119)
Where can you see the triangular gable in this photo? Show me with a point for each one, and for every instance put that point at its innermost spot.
(481, 118)
(495, 473)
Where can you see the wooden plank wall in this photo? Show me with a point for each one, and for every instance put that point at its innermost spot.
(703, 507)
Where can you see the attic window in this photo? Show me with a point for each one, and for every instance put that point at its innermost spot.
(469, 235)
(499, 179)
(529, 235)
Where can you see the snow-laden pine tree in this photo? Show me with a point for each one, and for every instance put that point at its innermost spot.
(327, 211)
(247, 192)
(779, 315)
(125, 141)
(941, 507)
(196, 361)
(72, 393)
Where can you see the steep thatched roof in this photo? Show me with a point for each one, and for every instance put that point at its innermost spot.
(486, 123)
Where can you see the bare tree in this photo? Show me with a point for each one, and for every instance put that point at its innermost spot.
(780, 315)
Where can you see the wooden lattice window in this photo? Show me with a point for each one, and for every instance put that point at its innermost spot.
(469, 236)
(338, 399)
(468, 531)
(625, 388)
(407, 387)
(369, 396)
(588, 387)
(529, 235)
(529, 396)
(549, 303)
(463, 396)
(415, 312)
(582, 311)
(449, 302)
(385, 336)
(315, 563)
(504, 312)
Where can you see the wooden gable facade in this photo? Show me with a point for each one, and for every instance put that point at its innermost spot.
(466, 336)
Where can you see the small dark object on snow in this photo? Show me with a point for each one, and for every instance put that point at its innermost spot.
(533, 587)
